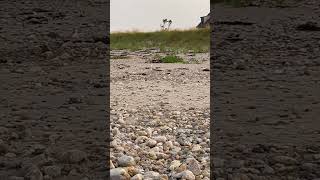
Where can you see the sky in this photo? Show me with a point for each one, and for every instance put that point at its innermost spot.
(147, 15)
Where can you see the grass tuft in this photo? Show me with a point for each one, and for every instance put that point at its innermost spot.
(172, 59)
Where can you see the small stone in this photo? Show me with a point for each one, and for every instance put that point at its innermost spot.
(121, 119)
(237, 164)
(285, 160)
(150, 175)
(111, 165)
(32, 172)
(156, 149)
(168, 145)
(35, 69)
(131, 170)
(141, 139)
(119, 173)
(53, 171)
(48, 54)
(74, 156)
(193, 166)
(74, 100)
(249, 170)
(114, 143)
(3, 148)
(137, 177)
(125, 161)
(47, 177)
(73, 172)
(206, 173)
(14, 135)
(196, 148)
(309, 167)
(65, 56)
(37, 160)
(142, 133)
(174, 165)
(176, 112)
(115, 132)
(151, 143)
(316, 156)
(3, 130)
(162, 155)
(187, 175)
(162, 139)
(240, 66)
(152, 155)
(38, 148)
(19, 71)
(164, 177)
(181, 168)
(218, 163)
(268, 170)
(285, 168)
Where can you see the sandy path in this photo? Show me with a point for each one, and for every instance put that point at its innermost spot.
(176, 85)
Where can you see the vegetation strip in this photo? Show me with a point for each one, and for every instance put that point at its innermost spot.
(197, 40)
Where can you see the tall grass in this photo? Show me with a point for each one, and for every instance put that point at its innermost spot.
(197, 40)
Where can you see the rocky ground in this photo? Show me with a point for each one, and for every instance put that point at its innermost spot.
(53, 74)
(266, 100)
(159, 117)
(265, 65)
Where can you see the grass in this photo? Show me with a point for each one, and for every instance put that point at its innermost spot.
(172, 59)
(241, 3)
(234, 3)
(197, 40)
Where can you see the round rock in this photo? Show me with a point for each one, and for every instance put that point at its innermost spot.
(125, 161)
(74, 156)
(119, 173)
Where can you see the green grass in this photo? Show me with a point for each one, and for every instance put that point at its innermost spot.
(197, 40)
(172, 59)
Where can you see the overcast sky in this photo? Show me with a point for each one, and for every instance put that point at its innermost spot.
(147, 15)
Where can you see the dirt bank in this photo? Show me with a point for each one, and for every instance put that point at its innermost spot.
(266, 68)
(53, 90)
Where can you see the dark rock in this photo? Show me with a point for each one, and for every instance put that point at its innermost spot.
(32, 172)
(74, 156)
(53, 171)
(308, 26)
